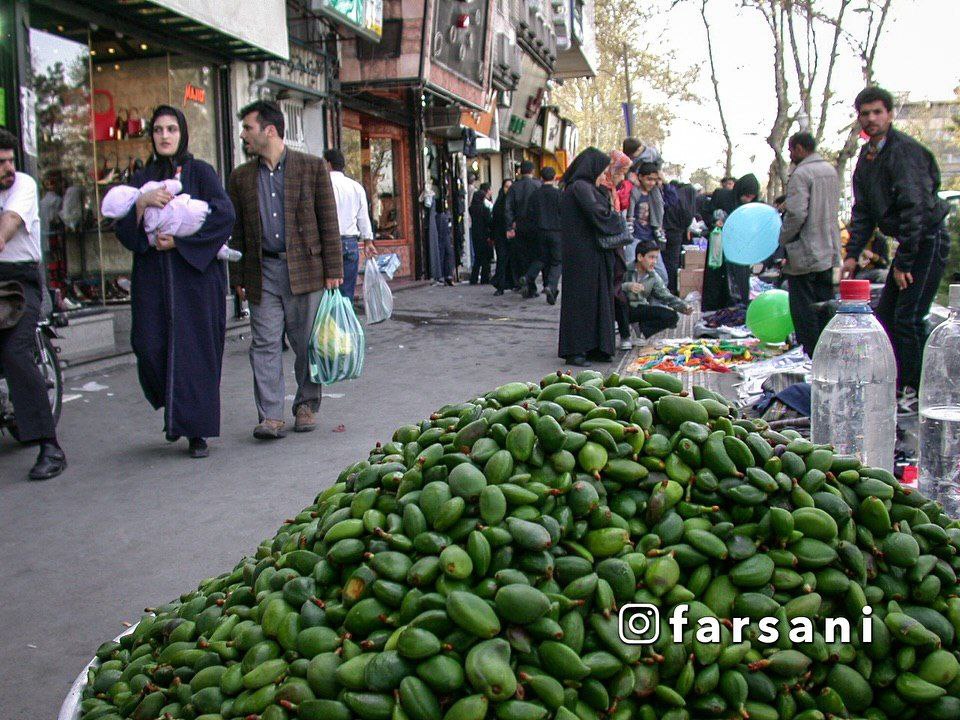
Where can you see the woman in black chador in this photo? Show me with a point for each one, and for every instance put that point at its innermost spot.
(179, 288)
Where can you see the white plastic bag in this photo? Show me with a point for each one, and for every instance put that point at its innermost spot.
(377, 297)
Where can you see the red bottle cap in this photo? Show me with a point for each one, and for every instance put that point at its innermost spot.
(910, 474)
(856, 290)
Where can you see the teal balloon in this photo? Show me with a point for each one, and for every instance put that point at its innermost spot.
(751, 234)
(768, 316)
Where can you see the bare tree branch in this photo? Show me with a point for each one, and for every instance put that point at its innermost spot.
(728, 161)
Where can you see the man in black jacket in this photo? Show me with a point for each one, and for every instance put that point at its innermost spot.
(543, 218)
(520, 242)
(481, 220)
(895, 188)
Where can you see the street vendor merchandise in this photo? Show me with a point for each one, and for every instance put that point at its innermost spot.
(476, 565)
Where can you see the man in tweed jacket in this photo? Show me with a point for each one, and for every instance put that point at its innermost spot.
(288, 232)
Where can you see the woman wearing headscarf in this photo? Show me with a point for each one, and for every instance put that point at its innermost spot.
(178, 294)
(586, 306)
(503, 278)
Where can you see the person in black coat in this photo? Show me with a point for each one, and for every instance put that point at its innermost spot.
(179, 290)
(521, 239)
(678, 212)
(716, 288)
(543, 218)
(481, 222)
(746, 191)
(503, 278)
(586, 306)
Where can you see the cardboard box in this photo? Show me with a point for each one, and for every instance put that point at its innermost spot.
(694, 258)
(690, 280)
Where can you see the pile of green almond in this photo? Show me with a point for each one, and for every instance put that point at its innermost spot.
(480, 565)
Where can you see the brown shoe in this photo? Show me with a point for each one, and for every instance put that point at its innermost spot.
(270, 430)
(306, 421)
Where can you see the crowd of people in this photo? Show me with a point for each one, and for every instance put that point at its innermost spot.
(611, 225)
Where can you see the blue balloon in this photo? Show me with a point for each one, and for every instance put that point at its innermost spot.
(751, 234)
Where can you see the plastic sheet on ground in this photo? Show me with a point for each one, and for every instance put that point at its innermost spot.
(794, 362)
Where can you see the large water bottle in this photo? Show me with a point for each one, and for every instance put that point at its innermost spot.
(940, 411)
(854, 399)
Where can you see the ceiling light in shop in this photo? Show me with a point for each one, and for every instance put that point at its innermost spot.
(143, 46)
(117, 66)
(60, 28)
(93, 52)
(111, 50)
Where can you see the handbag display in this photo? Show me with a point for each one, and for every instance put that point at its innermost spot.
(618, 240)
(104, 116)
(135, 123)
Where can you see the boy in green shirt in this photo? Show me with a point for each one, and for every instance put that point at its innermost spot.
(641, 285)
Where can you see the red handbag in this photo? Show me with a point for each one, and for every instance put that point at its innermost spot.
(135, 123)
(104, 116)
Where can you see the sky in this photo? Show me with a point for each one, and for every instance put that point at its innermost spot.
(917, 54)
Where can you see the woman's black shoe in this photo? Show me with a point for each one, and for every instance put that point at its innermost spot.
(578, 361)
(170, 437)
(50, 462)
(498, 292)
(598, 356)
(198, 448)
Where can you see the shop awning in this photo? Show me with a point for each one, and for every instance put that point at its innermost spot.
(230, 29)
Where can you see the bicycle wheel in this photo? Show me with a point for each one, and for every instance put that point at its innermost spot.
(48, 361)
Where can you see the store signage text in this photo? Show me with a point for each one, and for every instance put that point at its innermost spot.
(517, 124)
(194, 94)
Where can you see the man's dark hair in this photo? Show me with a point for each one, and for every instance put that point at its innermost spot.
(630, 146)
(779, 199)
(803, 140)
(647, 168)
(268, 113)
(645, 246)
(8, 141)
(873, 94)
(548, 174)
(335, 158)
(728, 178)
(484, 187)
(526, 168)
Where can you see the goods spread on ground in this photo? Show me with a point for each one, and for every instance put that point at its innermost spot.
(696, 356)
(473, 567)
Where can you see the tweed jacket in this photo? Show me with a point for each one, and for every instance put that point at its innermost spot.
(310, 216)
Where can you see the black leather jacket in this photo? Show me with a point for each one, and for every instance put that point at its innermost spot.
(897, 193)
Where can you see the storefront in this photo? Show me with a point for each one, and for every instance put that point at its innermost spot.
(378, 154)
(96, 73)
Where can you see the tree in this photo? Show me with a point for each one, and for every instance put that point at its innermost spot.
(706, 179)
(594, 104)
(728, 160)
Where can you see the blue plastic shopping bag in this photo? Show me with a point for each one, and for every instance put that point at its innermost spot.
(337, 342)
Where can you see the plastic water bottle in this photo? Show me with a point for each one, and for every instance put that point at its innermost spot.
(940, 411)
(854, 398)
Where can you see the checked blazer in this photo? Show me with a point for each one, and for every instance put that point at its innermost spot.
(314, 251)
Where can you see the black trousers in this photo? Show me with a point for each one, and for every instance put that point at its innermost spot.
(482, 257)
(738, 280)
(901, 312)
(672, 251)
(549, 261)
(651, 318)
(805, 290)
(18, 346)
(500, 275)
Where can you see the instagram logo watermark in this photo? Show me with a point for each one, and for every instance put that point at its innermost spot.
(639, 624)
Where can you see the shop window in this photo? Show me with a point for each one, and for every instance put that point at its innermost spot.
(94, 94)
(385, 210)
(350, 147)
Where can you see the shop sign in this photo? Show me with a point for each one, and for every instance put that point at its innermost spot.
(192, 93)
(361, 16)
(304, 68)
(262, 24)
(520, 121)
(551, 134)
(482, 122)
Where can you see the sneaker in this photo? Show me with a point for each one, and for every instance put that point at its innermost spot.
(198, 448)
(908, 404)
(270, 430)
(626, 344)
(306, 421)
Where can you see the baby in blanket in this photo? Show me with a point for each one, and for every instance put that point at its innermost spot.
(181, 217)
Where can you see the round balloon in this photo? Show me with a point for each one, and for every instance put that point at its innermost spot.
(751, 234)
(768, 316)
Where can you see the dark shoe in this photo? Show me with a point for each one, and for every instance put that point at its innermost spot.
(498, 292)
(50, 462)
(170, 437)
(578, 361)
(551, 296)
(198, 448)
(598, 356)
(306, 421)
(270, 430)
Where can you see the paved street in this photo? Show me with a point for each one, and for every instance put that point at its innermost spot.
(134, 522)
